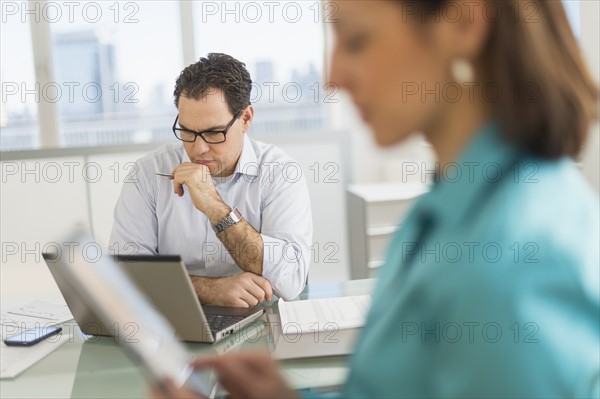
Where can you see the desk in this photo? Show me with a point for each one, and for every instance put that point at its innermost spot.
(98, 368)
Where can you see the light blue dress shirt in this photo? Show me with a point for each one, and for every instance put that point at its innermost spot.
(267, 187)
(491, 287)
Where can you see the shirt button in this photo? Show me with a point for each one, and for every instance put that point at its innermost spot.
(210, 258)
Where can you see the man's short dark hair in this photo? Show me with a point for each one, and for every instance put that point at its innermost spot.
(216, 72)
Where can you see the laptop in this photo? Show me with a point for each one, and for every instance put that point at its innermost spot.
(166, 284)
(106, 291)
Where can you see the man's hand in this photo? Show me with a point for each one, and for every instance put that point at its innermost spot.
(200, 185)
(241, 290)
(244, 375)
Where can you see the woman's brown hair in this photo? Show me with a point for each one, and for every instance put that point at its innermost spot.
(549, 98)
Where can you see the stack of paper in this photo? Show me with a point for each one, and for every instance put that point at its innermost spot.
(321, 314)
(14, 360)
(317, 327)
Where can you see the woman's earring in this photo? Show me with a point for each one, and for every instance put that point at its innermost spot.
(462, 71)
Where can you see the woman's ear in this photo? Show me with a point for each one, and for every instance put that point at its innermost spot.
(464, 27)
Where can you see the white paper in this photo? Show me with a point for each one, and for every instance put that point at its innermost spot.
(43, 311)
(315, 377)
(14, 360)
(296, 345)
(324, 314)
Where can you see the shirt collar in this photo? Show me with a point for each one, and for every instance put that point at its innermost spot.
(462, 185)
(247, 163)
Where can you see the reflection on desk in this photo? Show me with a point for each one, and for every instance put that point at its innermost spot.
(97, 367)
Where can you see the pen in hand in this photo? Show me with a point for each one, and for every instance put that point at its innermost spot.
(165, 175)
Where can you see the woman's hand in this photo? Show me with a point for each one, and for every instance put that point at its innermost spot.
(244, 375)
(249, 375)
(168, 390)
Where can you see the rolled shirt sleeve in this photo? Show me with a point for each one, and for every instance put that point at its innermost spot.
(135, 223)
(286, 231)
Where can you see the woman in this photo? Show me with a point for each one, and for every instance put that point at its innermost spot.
(491, 287)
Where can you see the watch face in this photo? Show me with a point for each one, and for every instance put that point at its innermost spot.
(233, 217)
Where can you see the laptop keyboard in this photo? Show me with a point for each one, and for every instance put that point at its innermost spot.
(218, 322)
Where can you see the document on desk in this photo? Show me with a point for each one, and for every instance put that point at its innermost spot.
(317, 327)
(43, 311)
(14, 360)
(321, 314)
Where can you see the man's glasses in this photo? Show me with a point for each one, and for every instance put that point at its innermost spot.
(209, 136)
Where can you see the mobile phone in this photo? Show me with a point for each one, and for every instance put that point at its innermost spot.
(32, 336)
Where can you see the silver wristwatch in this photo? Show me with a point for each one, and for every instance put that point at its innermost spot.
(233, 217)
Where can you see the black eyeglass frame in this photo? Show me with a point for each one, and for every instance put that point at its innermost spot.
(202, 133)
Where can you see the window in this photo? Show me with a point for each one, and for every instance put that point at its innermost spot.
(281, 44)
(18, 114)
(115, 63)
(572, 8)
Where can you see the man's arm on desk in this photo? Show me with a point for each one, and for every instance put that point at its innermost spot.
(246, 248)
(240, 290)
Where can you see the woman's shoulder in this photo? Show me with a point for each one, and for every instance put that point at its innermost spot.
(550, 217)
(547, 194)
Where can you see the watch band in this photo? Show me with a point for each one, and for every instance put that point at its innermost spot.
(231, 219)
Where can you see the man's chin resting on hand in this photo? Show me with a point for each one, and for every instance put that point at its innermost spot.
(221, 200)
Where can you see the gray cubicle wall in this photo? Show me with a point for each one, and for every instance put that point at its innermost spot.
(47, 192)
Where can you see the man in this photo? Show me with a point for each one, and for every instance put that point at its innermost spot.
(242, 226)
